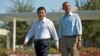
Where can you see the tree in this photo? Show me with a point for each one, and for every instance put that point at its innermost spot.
(20, 6)
(90, 5)
(22, 28)
(91, 30)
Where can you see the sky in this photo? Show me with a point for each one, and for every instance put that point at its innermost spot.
(50, 5)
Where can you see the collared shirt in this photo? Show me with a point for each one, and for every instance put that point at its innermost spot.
(42, 30)
(70, 25)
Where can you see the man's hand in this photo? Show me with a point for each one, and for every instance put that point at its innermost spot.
(24, 43)
(79, 42)
(57, 45)
(79, 45)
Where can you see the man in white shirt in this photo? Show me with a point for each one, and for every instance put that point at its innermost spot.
(42, 29)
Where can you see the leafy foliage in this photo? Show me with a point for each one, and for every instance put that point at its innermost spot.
(2, 41)
(18, 52)
(90, 5)
(21, 30)
(20, 6)
(91, 30)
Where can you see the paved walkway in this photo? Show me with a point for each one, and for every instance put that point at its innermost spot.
(48, 55)
(54, 55)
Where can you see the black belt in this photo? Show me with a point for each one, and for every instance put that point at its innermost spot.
(40, 39)
(69, 36)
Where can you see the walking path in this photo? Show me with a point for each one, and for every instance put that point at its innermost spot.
(54, 55)
(48, 55)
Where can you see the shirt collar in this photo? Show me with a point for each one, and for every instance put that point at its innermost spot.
(69, 14)
(44, 19)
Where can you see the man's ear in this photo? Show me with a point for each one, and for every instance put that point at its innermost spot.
(62, 8)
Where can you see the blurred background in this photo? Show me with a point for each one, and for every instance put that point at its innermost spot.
(16, 17)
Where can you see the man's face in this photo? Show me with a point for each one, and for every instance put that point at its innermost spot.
(41, 14)
(67, 7)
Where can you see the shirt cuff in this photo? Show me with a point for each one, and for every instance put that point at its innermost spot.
(26, 39)
(57, 44)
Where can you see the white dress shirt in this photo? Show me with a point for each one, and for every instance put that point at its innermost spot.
(42, 30)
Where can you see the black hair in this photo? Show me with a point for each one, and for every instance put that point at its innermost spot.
(41, 8)
(64, 3)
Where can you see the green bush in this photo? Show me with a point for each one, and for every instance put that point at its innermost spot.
(7, 52)
(53, 51)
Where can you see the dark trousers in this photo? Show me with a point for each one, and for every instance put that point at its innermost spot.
(42, 47)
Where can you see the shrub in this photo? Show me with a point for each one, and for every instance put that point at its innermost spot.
(90, 52)
(18, 52)
(53, 51)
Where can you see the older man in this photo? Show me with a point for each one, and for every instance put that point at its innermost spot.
(70, 31)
